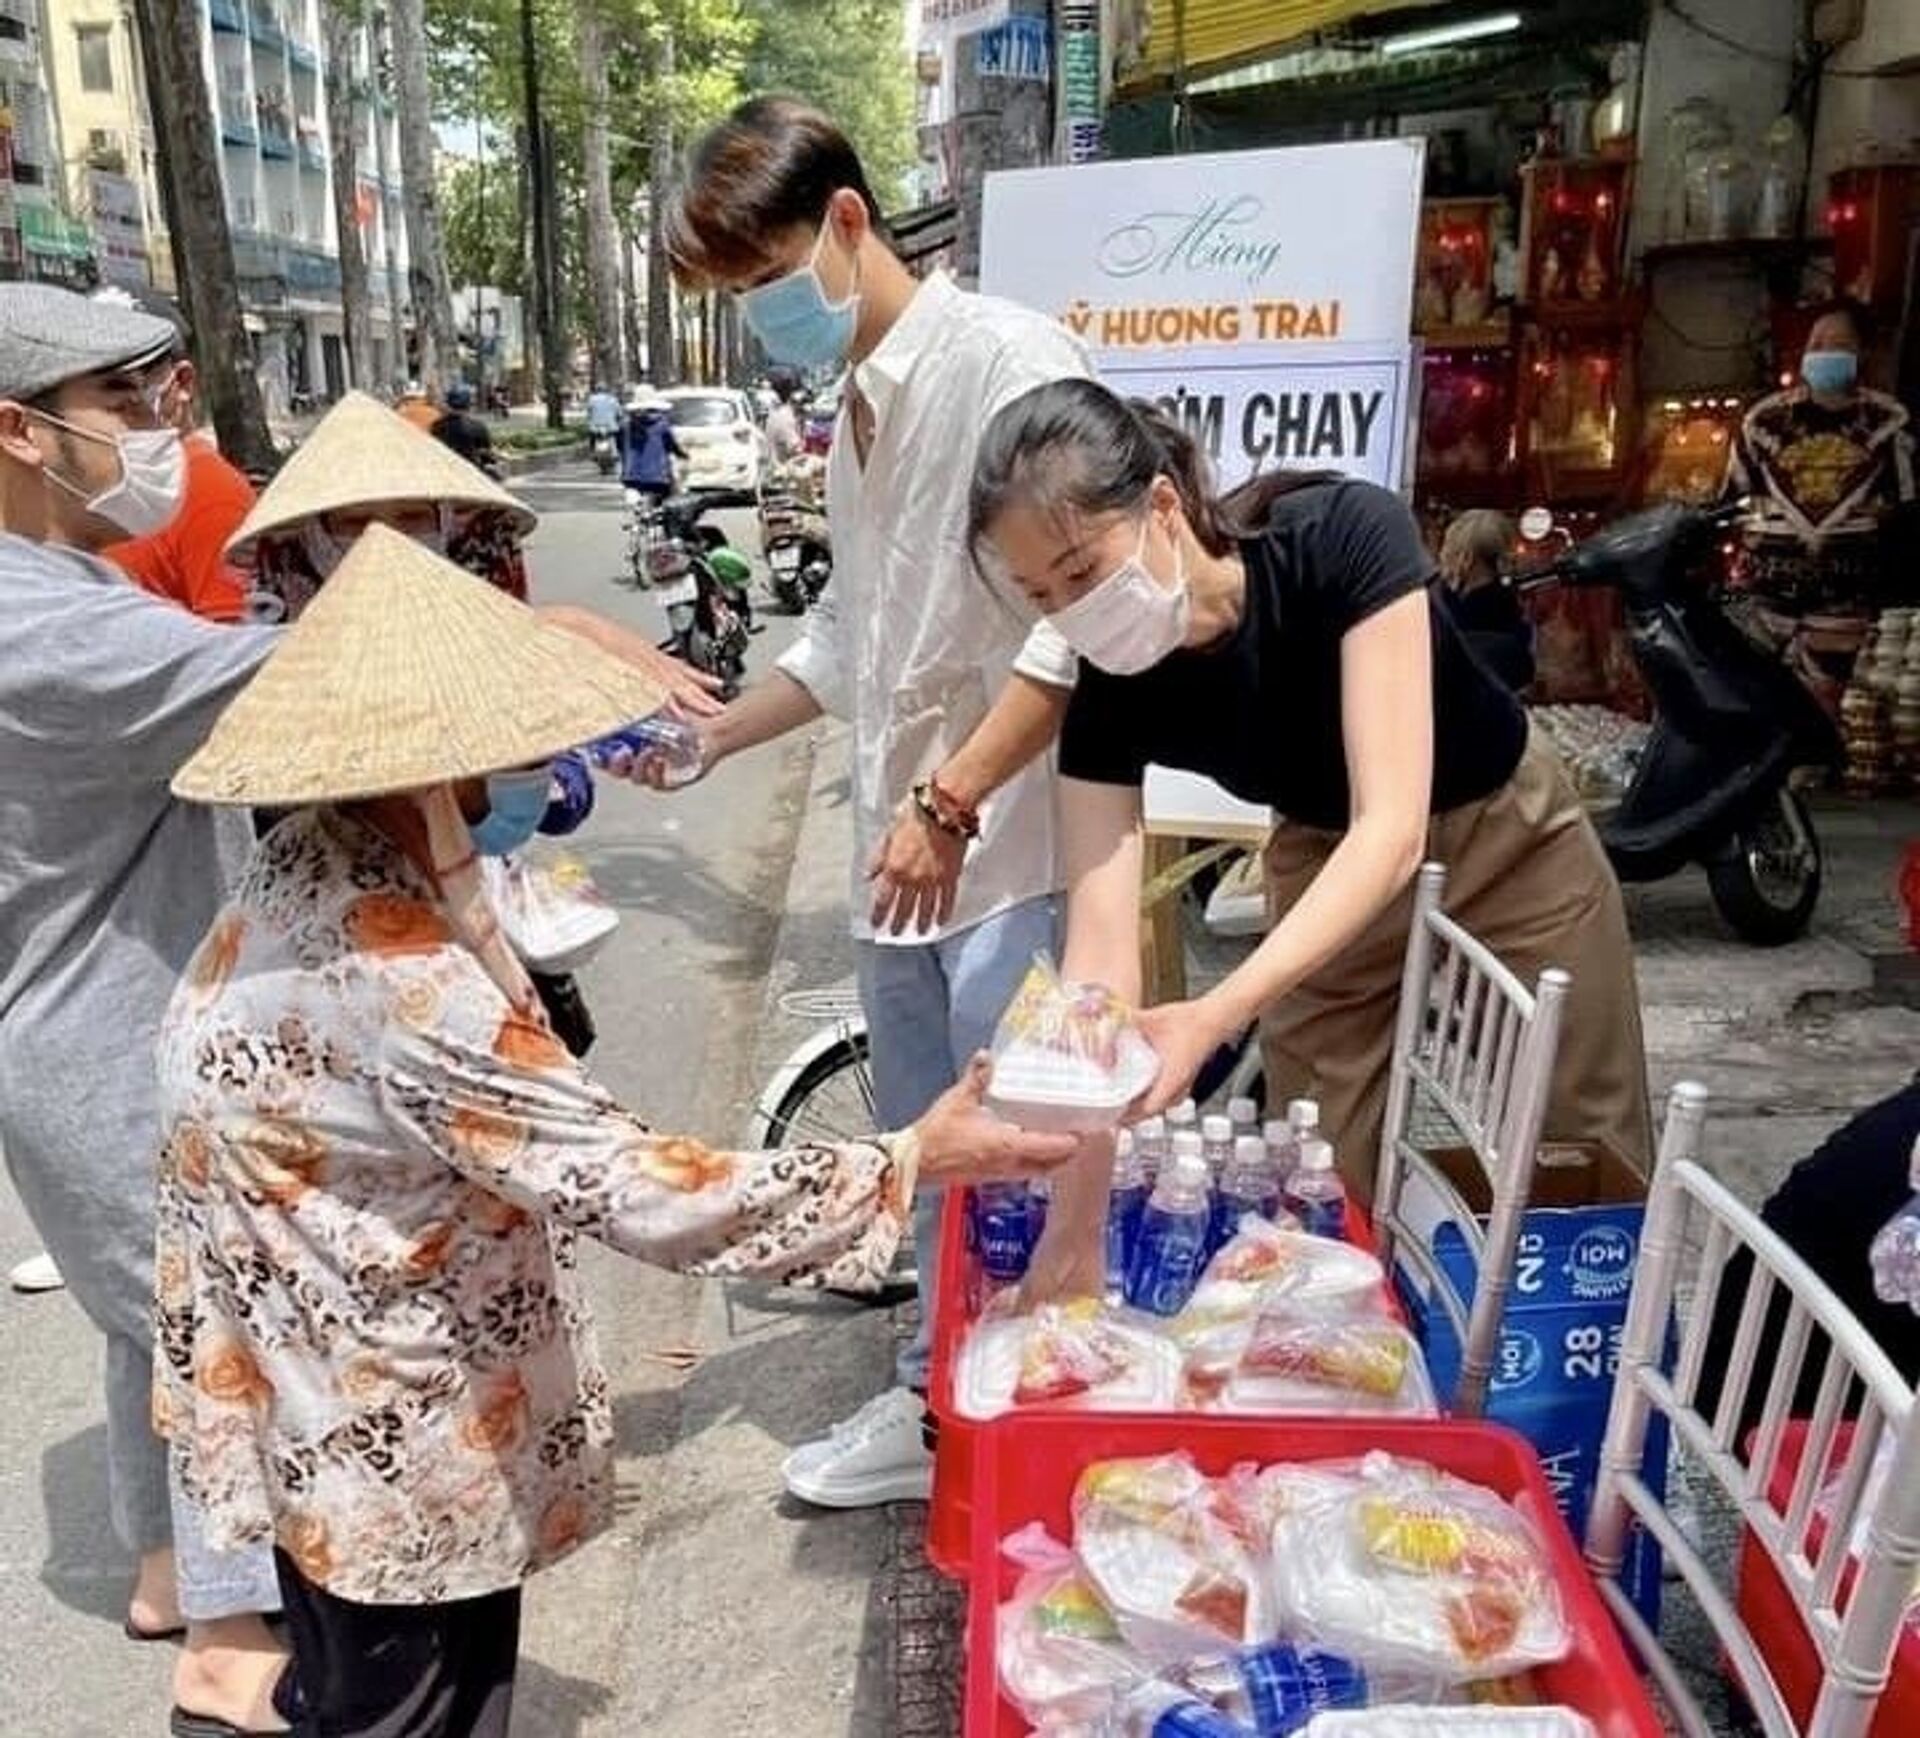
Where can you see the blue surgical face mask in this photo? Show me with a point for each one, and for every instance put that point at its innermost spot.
(1830, 372)
(795, 322)
(516, 805)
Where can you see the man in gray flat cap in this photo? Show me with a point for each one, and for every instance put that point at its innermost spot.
(106, 887)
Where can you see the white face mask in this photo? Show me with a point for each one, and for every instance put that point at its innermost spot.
(1129, 621)
(153, 477)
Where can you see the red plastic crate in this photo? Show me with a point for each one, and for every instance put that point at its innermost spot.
(1768, 1612)
(949, 1518)
(1027, 1465)
(950, 1515)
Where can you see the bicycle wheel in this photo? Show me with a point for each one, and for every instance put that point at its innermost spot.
(830, 1100)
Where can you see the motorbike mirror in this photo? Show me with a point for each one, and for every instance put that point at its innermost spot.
(1536, 524)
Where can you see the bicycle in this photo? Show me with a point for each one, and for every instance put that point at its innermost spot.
(823, 1091)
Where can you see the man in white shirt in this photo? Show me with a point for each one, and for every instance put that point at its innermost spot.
(954, 691)
(783, 430)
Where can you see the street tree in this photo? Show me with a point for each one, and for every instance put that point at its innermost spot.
(343, 21)
(850, 59)
(196, 210)
(431, 292)
(596, 164)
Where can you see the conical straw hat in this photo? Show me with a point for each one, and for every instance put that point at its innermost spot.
(406, 672)
(361, 454)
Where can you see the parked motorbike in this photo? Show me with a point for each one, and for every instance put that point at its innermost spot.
(605, 450)
(1732, 726)
(794, 538)
(701, 582)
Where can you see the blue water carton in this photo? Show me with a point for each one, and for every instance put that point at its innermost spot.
(1559, 1344)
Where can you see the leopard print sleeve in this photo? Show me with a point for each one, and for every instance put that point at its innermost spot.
(501, 1101)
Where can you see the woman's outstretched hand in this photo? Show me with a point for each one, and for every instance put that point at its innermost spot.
(961, 1143)
(1183, 1035)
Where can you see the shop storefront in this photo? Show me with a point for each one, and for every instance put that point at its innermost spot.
(1628, 225)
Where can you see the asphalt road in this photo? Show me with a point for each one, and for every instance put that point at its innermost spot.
(713, 1607)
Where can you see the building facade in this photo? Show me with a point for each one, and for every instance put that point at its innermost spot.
(80, 189)
(110, 176)
(37, 236)
(265, 66)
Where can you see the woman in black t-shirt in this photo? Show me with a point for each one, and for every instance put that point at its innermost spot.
(1288, 642)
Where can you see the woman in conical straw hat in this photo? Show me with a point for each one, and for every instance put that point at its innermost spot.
(362, 465)
(374, 1350)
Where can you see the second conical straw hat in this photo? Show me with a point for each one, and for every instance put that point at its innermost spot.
(361, 454)
(406, 672)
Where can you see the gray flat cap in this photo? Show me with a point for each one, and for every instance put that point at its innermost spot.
(49, 335)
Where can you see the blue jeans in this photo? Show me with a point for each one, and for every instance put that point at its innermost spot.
(929, 1007)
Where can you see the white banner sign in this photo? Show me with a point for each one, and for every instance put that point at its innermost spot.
(1265, 297)
(941, 21)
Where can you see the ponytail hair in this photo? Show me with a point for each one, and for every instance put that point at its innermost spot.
(1075, 446)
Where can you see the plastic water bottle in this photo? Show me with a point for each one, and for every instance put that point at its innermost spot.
(1896, 1248)
(1005, 1230)
(1277, 1137)
(1244, 1114)
(1126, 1203)
(1277, 1688)
(1314, 1194)
(1183, 1117)
(1216, 1142)
(1171, 1247)
(1250, 1184)
(674, 743)
(1157, 1710)
(1150, 1146)
(1303, 1117)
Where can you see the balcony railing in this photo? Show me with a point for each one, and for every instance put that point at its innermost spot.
(226, 15)
(237, 129)
(265, 28)
(276, 144)
(304, 54)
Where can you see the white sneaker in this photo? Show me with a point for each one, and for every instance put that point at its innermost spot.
(879, 1455)
(36, 1273)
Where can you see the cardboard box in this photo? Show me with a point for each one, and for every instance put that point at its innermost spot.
(1559, 1342)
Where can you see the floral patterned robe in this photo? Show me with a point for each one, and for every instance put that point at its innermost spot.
(373, 1349)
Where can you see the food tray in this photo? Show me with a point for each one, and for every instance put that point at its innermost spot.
(1027, 1464)
(949, 1518)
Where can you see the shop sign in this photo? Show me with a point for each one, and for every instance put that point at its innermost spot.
(1263, 297)
(119, 226)
(53, 235)
(944, 20)
(1021, 48)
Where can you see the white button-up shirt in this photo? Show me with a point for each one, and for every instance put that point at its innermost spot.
(909, 642)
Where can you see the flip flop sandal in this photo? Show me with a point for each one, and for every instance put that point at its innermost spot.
(133, 1632)
(181, 1724)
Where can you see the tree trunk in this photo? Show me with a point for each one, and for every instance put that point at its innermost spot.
(633, 309)
(540, 195)
(603, 236)
(196, 208)
(396, 290)
(426, 252)
(341, 19)
(660, 352)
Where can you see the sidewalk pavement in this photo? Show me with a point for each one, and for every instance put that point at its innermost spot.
(910, 1652)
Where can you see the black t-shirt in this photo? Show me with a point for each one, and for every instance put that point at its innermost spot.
(1259, 710)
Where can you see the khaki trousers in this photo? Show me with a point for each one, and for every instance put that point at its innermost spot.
(1526, 875)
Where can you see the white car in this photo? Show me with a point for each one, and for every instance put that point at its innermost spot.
(724, 446)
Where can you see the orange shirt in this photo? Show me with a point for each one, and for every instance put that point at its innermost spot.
(423, 413)
(186, 561)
